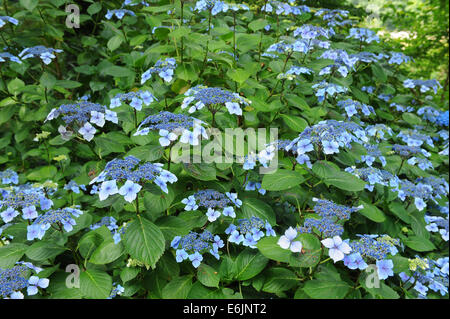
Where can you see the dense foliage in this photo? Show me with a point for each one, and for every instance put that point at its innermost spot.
(98, 200)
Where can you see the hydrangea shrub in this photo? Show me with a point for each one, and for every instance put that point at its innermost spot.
(95, 108)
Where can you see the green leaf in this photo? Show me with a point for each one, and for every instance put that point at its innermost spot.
(326, 289)
(419, 244)
(279, 279)
(48, 80)
(114, 42)
(94, 8)
(129, 273)
(148, 153)
(257, 24)
(295, 123)
(172, 226)
(255, 207)
(282, 179)
(379, 73)
(15, 86)
(144, 241)
(43, 250)
(238, 75)
(411, 119)
(178, 288)
(208, 276)
(345, 181)
(248, 264)
(106, 253)
(156, 201)
(371, 212)
(311, 252)
(203, 172)
(10, 254)
(268, 246)
(398, 210)
(95, 284)
(29, 4)
(117, 71)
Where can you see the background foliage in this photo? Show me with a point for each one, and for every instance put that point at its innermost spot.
(105, 57)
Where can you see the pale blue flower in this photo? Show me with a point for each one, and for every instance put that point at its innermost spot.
(287, 241)
(129, 190)
(108, 188)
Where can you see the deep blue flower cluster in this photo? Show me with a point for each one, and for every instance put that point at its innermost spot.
(211, 97)
(134, 175)
(164, 68)
(433, 275)
(194, 245)
(80, 117)
(13, 280)
(331, 213)
(135, 99)
(61, 218)
(249, 231)
(213, 201)
(171, 126)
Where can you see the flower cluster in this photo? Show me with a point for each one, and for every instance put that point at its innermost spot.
(44, 53)
(363, 35)
(80, 117)
(164, 68)
(401, 108)
(437, 224)
(61, 218)
(8, 176)
(330, 214)
(334, 17)
(399, 58)
(284, 8)
(13, 280)
(119, 13)
(327, 137)
(308, 31)
(429, 188)
(171, 126)
(4, 19)
(431, 275)
(425, 85)
(213, 99)
(26, 198)
(352, 107)
(110, 223)
(294, 72)
(248, 231)
(215, 202)
(134, 175)
(325, 89)
(7, 55)
(194, 245)
(374, 176)
(74, 187)
(414, 138)
(137, 99)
